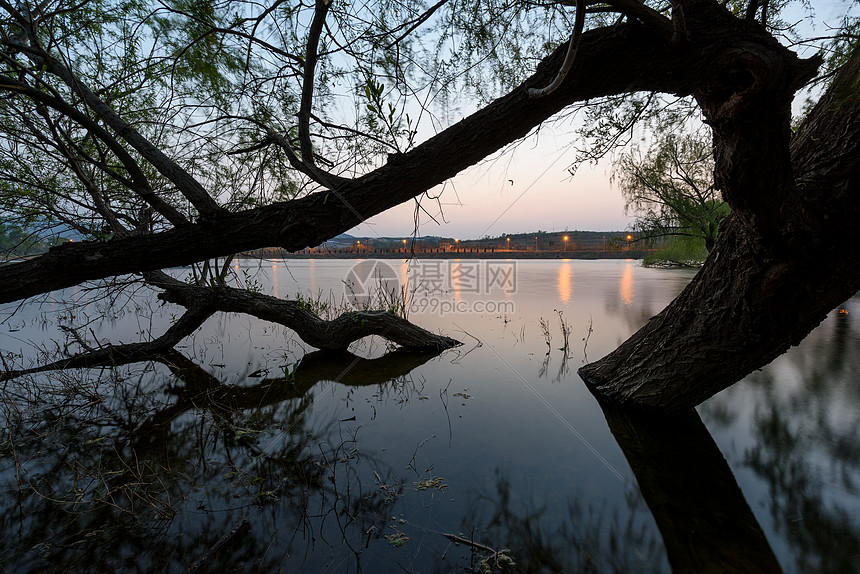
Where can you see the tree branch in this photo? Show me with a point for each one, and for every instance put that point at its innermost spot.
(201, 302)
(184, 182)
(646, 15)
(640, 60)
(128, 353)
(334, 335)
(569, 57)
(321, 8)
(140, 185)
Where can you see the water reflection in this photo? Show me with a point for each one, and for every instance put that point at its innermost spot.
(581, 535)
(804, 432)
(565, 282)
(704, 519)
(232, 476)
(217, 466)
(229, 456)
(625, 285)
(225, 463)
(275, 291)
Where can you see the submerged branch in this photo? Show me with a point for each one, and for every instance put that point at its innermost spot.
(336, 334)
(202, 302)
(113, 355)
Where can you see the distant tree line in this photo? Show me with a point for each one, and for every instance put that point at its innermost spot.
(17, 240)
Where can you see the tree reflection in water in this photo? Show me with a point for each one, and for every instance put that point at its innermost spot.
(590, 536)
(164, 466)
(703, 518)
(103, 471)
(805, 430)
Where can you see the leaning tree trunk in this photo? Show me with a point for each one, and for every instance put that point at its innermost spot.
(787, 256)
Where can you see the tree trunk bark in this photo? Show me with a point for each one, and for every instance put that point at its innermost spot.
(786, 256)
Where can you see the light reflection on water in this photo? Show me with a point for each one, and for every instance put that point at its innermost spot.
(264, 471)
(565, 282)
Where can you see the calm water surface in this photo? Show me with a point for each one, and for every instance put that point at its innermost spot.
(249, 451)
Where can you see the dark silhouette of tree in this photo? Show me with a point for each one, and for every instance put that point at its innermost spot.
(175, 133)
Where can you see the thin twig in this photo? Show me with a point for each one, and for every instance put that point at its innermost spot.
(472, 543)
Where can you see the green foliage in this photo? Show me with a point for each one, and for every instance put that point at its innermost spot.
(678, 251)
(290, 371)
(315, 305)
(250, 282)
(670, 188)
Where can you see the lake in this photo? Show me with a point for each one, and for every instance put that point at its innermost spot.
(248, 451)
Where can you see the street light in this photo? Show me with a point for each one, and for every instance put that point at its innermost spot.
(565, 242)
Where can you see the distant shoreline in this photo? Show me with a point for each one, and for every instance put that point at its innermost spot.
(590, 255)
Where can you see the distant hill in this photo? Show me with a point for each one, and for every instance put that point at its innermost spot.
(339, 241)
(540, 240)
(33, 238)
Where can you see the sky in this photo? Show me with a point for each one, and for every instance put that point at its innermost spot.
(523, 189)
(528, 187)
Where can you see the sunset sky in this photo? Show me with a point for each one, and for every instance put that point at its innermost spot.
(528, 188)
(524, 189)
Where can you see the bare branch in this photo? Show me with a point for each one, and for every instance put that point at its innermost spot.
(416, 22)
(185, 183)
(128, 353)
(311, 55)
(751, 9)
(140, 184)
(570, 56)
(336, 334)
(645, 14)
(320, 176)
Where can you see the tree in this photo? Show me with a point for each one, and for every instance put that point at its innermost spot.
(671, 189)
(179, 132)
